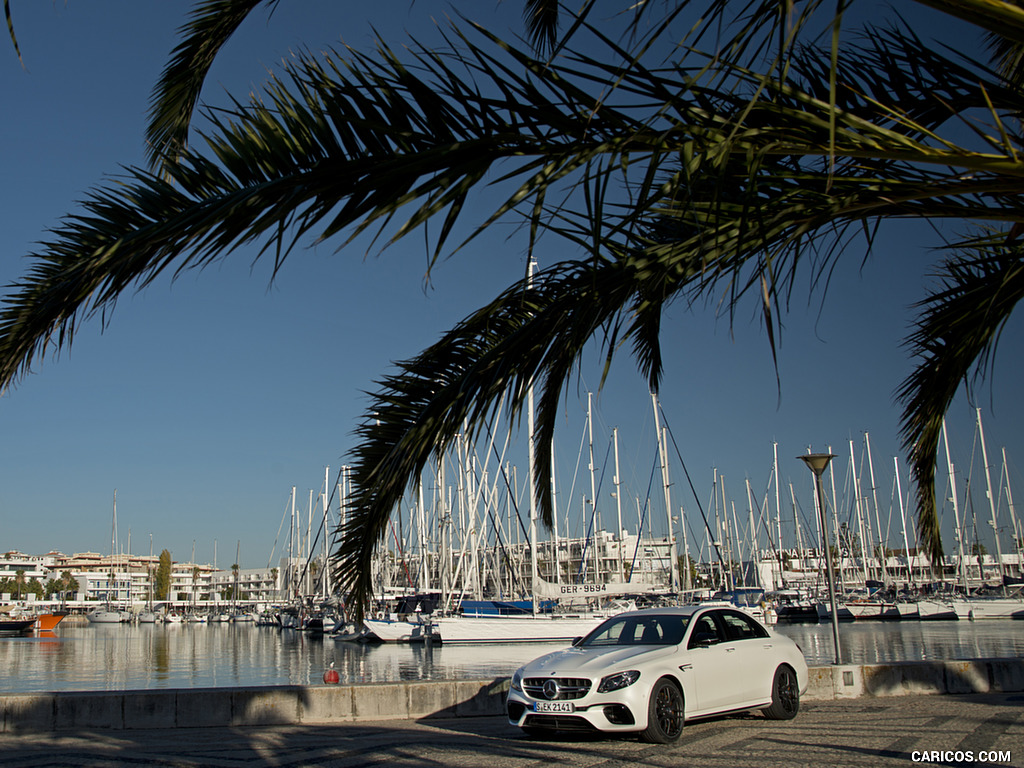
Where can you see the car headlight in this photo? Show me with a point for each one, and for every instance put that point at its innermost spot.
(517, 680)
(618, 680)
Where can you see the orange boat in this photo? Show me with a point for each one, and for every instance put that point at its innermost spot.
(47, 622)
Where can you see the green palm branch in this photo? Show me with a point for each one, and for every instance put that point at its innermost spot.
(957, 333)
(722, 176)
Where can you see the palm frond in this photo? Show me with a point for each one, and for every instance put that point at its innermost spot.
(211, 24)
(1004, 18)
(716, 177)
(541, 18)
(10, 29)
(957, 332)
(534, 333)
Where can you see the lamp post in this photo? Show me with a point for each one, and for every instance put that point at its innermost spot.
(817, 462)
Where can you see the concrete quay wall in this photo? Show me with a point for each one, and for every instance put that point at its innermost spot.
(323, 704)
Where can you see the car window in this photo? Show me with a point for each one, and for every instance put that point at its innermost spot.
(638, 630)
(705, 631)
(741, 627)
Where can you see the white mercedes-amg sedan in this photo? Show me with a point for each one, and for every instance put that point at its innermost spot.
(649, 671)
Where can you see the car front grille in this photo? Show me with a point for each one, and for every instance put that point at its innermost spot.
(564, 688)
(558, 723)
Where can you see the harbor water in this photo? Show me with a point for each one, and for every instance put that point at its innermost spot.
(99, 657)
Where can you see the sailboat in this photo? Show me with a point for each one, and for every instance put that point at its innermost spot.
(532, 625)
(108, 614)
(977, 606)
(556, 626)
(972, 607)
(148, 616)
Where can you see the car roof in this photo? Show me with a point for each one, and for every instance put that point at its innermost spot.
(676, 610)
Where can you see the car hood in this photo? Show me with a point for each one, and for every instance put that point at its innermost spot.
(594, 662)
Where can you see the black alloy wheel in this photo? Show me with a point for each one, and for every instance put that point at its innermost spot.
(665, 714)
(785, 695)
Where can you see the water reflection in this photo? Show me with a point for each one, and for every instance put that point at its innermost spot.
(865, 642)
(112, 656)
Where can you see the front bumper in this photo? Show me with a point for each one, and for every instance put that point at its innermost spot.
(602, 712)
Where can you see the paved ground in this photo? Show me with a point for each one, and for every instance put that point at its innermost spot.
(856, 732)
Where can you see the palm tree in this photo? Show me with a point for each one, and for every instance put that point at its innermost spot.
(713, 160)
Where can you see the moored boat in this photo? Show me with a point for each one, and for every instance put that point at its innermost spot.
(542, 628)
(394, 630)
(17, 626)
(47, 622)
(105, 615)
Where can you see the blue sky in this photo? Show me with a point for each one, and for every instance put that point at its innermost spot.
(204, 401)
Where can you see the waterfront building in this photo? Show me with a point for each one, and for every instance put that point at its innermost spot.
(33, 566)
(254, 585)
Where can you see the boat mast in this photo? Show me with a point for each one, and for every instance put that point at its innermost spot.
(687, 581)
(956, 512)
(531, 477)
(292, 573)
(421, 538)
(755, 559)
(778, 513)
(903, 520)
(554, 522)
(324, 570)
(618, 507)
(991, 498)
(860, 517)
(663, 453)
(149, 573)
(730, 540)
(444, 521)
(737, 541)
(835, 523)
(192, 564)
(595, 522)
(113, 552)
(1018, 535)
(796, 530)
(878, 520)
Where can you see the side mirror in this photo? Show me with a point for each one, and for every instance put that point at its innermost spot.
(703, 639)
(576, 641)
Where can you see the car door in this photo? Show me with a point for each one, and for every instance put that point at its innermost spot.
(748, 649)
(709, 666)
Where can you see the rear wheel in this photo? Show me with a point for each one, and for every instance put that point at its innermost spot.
(665, 714)
(785, 695)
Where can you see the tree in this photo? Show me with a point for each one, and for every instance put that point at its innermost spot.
(720, 168)
(61, 586)
(162, 587)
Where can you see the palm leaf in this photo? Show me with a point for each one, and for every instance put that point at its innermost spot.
(715, 178)
(10, 29)
(211, 24)
(957, 331)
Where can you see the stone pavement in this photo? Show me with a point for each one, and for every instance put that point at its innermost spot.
(973, 729)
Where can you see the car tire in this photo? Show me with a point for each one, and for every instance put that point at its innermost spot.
(785, 695)
(665, 714)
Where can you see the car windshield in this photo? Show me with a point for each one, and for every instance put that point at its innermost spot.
(637, 630)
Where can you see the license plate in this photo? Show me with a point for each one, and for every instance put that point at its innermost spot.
(554, 706)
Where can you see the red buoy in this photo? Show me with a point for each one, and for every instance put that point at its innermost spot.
(331, 675)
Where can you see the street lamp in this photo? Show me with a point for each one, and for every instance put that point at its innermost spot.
(817, 462)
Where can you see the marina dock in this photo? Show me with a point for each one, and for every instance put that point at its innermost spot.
(977, 729)
(334, 704)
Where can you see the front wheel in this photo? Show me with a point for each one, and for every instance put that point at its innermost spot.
(785, 695)
(665, 714)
